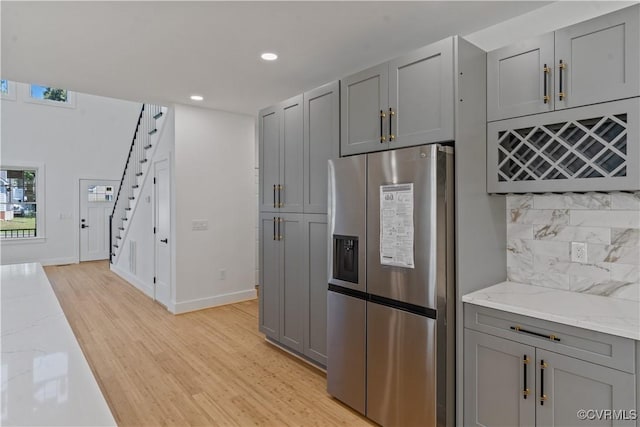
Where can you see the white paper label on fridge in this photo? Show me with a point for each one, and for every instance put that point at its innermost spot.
(396, 225)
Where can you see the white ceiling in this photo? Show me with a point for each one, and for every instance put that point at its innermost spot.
(165, 51)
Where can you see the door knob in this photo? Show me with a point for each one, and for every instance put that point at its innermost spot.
(84, 226)
(164, 240)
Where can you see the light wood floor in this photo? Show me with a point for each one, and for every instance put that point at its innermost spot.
(210, 367)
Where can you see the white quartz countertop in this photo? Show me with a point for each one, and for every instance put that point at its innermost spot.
(597, 313)
(46, 380)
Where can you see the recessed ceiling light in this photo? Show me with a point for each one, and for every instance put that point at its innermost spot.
(268, 56)
(196, 97)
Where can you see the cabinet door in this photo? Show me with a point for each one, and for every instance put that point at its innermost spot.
(602, 59)
(421, 96)
(363, 96)
(516, 78)
(269, 143)
(269, 277)
(570, 385)
(321, 143)
(494, 381)
(291, 155)
(316, 280)
(291, 291)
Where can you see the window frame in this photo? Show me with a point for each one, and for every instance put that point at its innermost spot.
(11, 94)
(40, 202)
(70, 103)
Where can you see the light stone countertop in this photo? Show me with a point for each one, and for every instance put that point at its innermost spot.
(597, 313)
(46, 380)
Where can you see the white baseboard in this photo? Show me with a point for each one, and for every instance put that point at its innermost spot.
(59, 261)
(147, 289)
(214, 301)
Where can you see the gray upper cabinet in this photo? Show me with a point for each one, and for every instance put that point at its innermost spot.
(364, 99)
(519, 79)
(406, 101)
(600, 59)
(291, 156)
(281, 156)
(565, 385)
(588, 63)
(499, 381)
(421, 96)
(321, 143)
(269, 131)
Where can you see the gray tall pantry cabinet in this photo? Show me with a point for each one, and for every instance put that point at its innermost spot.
(296, 138)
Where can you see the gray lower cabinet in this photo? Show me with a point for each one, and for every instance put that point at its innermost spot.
(281, 156)
(565, 385)
(404, 102)
(269, 276)
(315, 287)
(293, 282)
(494, 381)
(321, 143)
(587, 63)
(281, 279)
(523, 371)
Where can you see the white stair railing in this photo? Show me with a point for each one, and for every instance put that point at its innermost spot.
(135, 168)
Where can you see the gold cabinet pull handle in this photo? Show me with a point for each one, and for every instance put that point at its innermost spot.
(545, 76)
(561, 67)
(392, 137)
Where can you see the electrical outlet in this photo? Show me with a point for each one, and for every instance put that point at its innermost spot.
(223, 274)
(579, 252)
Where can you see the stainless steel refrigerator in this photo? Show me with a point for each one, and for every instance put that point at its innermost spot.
(391, 300)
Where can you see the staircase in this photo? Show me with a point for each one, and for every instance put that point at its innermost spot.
(137, 167)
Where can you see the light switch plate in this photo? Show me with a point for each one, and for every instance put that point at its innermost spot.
(199, 225)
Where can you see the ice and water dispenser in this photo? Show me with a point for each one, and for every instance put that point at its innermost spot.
(345, 258)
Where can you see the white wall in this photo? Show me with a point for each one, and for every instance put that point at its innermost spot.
(215, 182)
(89, 141)
(543, 20)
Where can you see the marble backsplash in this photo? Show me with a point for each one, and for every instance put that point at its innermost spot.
(540, 229)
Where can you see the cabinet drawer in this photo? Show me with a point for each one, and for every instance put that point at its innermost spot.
(597, 347)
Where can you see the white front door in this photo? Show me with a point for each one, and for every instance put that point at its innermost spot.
(162, 222)
(96, 203)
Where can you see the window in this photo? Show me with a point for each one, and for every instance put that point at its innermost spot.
(20, 207)
(7, 90)
(50, 96)
(100, 193)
